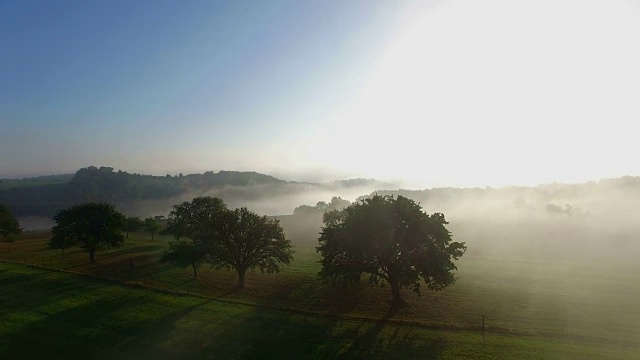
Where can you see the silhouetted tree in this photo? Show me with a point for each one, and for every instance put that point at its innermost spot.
(92, 226)
(9, 226)
(245, 240)
(62, 241)
(390, 239)
(184, 253)
(196, 221)
(236, 239)
(151, 226)
(134, 223)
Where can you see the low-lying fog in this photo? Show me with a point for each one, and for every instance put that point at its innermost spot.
(589, 221)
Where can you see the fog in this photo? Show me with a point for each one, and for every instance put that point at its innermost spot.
(593, 221)
(266, 199)
(590, 221)
(587, 222)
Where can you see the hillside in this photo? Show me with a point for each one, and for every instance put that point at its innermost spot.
(150, 195)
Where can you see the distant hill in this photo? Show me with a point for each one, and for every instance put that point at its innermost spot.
(6, 184)
(148, 194)
(589, 220)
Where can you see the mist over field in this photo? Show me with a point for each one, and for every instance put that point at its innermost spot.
(594, 221)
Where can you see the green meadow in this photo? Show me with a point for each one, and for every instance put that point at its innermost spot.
(128, 305)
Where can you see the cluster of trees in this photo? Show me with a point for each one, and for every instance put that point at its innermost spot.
(388, 239)
(149, 225)
(305, 222)
(336, 203)
(206, 231)
(568, 210)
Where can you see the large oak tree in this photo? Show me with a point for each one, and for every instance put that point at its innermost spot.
(391, 240)
(91, 226)
(246, 241)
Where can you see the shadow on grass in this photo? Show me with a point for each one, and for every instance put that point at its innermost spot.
(379, 341)
(96, 320)
(134, 250)
(89, 329)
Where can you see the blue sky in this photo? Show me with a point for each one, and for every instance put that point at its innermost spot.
(89, 81)
(434, 93)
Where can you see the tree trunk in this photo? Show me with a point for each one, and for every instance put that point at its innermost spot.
(62, 253)
(151, 236)
(395, 291)
(92, 257)
(195, 271)
(127, 234)
(241, 278)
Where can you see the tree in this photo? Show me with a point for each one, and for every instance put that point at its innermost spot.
(151, 226)
(184, 253)
(92, 226)
(244, 240)
(389, 239)
(236, 239)
(62, 241)
(134, 223)
(9, 226)
(196, 221)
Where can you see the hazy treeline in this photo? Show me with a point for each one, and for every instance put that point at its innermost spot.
(593, 220)
(148, 195)
(6, 184)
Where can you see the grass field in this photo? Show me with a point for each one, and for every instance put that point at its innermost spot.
(532, 310)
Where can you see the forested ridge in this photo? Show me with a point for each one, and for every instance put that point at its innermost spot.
(118, 187)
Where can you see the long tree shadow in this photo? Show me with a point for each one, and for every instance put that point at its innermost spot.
(401, 343)
(95, 327)
(362, 343)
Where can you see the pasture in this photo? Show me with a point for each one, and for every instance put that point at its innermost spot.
(131, 305)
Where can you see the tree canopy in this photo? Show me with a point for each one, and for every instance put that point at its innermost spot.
(391, 240)
(184, 253)
(196, 219)
(236, 239)
(9, 226)
(151, 226)
(133, 224)
(248, 241)
(91, 226)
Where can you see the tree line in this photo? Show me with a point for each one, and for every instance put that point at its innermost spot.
(385, 239)
(104, 184)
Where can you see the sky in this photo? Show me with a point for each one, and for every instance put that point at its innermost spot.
(425, 93)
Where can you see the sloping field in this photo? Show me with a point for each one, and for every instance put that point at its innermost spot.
(48, 314)
(572, 308)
